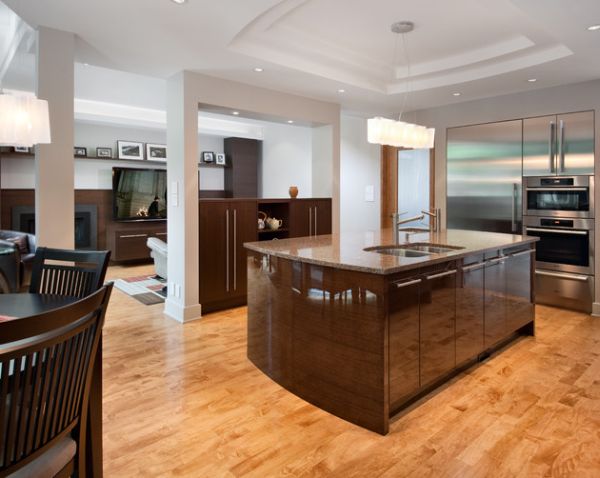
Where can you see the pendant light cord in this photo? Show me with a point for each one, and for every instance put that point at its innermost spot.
(407, 80)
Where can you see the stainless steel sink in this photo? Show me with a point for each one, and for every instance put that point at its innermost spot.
(397, 251)
(432, 248)
(413, 229)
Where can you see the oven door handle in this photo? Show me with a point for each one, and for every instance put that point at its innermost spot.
(557, 231)
(559, 275)
(560, 189)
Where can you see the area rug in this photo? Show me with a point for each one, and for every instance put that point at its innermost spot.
(145, 289)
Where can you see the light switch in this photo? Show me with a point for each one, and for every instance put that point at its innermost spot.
(369, 193)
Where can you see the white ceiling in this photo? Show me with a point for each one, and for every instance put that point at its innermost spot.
(479, 48)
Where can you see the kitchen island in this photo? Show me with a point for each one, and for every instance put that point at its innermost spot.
(362, 328)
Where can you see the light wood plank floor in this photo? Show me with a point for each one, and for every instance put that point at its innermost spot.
(183, 400)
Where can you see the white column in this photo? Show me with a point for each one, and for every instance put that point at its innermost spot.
(54, 163)
(182, 303)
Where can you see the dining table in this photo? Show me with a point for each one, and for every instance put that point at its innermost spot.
(22, 306)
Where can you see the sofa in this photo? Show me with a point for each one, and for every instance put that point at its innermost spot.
(158, 251)
(16, 266)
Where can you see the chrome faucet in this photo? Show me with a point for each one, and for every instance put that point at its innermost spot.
(397, 222)
(435, 219)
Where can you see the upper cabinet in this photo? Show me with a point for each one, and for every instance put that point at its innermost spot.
(559, 144)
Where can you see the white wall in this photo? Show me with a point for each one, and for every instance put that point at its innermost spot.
(359, 168)
(322, 161)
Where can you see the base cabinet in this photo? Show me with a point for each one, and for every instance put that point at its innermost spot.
(469, 309)
(128, 241)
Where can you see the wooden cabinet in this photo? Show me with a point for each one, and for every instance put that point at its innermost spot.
(127, 241)
(494, 301)
(437, 300)
(310, 217)
(224, 227)
(469, 309)
(241, 174)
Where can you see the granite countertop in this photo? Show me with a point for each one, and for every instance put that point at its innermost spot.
(346, 250)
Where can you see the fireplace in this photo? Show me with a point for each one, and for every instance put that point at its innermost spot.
(86, 223)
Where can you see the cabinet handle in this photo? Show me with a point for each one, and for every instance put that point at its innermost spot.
(561, 146)
(316, 233)
(551, 153)
(129, 236)
(399, 285)
(441, 274)
(310, 221)
(161, 233)
(495, 262)
(473, 267)
(576, 277)
(557, 231)
(227, 250)
(235, 249)
(522, 253)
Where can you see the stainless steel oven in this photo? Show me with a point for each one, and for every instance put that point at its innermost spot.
(559, 196)
(564, 260)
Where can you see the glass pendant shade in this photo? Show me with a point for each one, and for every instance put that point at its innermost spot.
(24, 121)
(389, 132)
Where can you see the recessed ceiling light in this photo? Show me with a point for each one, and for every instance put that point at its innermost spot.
(593, 28)
(290, 121)
(532, 80)
(235, 113)
(456, 94)
(179, 2)
(341, 90)
(258, 70)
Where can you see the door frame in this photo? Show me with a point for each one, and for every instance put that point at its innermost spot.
(389, 183)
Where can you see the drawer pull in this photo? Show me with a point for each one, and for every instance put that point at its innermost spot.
(473, 267)
(558, 275)
(129, 236)
(522, 253)
(399, 285)
(161, 233)
(495, 262)
(441, 274)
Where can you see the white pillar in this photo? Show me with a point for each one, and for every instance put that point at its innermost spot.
(54, 163)
(182, 302)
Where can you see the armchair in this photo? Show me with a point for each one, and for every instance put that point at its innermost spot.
(21, 258)
(158, 251)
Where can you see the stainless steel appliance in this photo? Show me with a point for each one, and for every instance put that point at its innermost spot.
(484, 177)
(559, 144)
(564, 260)
(571, 196)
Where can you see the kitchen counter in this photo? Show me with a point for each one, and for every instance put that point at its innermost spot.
(346, 250)
(362, 335)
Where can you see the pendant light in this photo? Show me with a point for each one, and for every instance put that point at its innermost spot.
(389, 132)
(24, 120)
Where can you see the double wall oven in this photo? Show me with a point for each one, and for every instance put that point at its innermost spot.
(560, 211)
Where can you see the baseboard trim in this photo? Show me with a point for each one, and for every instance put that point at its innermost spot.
(180, 313)
(596, 309)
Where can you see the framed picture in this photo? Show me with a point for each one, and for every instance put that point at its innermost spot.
(130, 150)
(80, 152)
(21, 149)
(156, 152)
(208, 156)
(220, 159)
(104, 152)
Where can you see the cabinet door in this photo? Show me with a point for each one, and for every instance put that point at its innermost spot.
(519, 301)
(438, 319)
(322, 217)
(301, 218)
(243, 217)
(539, 146)
(403, 339)
(469, 312)
(495, 301)
(131, 245)
(576, 143)
(215, 250)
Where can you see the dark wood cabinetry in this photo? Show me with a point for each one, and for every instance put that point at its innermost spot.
(241, 175)
(310, 217)
(127, 240)
(469, 309)
(224, 227)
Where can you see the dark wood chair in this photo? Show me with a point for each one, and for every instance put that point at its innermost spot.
(45, 377)
(79, 273)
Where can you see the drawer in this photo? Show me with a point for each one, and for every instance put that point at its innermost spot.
(131, 245)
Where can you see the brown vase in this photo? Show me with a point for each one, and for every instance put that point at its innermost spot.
(293, 192)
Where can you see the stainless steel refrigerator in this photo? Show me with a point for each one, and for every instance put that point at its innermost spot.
(485, 166)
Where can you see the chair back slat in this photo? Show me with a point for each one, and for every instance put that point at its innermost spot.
(45, 377)
(79, 273)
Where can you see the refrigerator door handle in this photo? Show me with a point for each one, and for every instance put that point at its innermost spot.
(561, 146)
(551, 143)
(515, 187)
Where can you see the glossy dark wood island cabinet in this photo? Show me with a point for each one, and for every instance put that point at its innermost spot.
(364, 345)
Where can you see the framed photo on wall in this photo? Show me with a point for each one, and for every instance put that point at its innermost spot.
(21, 149)
(104, 152)
(221, 159)
(130, 150)
(208, 157)
(156, 152)
(80, 152)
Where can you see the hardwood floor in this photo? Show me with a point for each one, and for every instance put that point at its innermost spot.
(183, 400)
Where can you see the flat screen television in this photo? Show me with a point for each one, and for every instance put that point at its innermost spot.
(139, 194)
